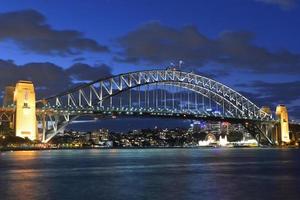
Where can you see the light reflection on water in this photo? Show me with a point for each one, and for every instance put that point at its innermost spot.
(151, 174)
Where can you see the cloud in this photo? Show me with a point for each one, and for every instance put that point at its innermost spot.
(275, 93)
(154, 43)
(79, 59)
(81, 71)
(272, 94)
(29, 30)
(50, 79)
(283, 4)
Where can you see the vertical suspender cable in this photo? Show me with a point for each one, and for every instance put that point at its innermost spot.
(173, 98)
(139, 91)
(188, 99)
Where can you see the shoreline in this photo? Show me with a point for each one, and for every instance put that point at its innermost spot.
(106, 148)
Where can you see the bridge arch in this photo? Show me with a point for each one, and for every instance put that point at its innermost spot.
(94, 93)
(88, 97)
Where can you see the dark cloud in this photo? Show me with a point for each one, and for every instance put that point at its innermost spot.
(50, 79)
(28, 29)
(154, 43)
(79, 59)
(278, 93)
(284, 4)
(81, 71)
(272, 94)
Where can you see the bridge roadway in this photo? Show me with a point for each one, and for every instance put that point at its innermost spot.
(145, 113)
(7, 110)
(150, 113)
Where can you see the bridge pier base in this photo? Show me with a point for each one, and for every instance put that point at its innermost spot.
(25, 120)
(282, 114)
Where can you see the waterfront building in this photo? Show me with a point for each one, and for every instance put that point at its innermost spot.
(95, 137)
(223, 141)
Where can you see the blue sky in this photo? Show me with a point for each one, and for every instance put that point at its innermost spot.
(250, 45)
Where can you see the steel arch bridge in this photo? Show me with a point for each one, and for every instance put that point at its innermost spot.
(152, 93)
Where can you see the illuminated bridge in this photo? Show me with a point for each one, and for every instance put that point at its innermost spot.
(166, 93)
(153, 93)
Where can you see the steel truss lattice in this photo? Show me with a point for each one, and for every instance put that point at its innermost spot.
(88, 99)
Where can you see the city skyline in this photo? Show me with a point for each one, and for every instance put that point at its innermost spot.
(259, 58)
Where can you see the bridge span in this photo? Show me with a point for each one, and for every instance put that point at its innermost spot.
(166, 93)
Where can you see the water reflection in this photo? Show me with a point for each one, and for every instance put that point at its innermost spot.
(18, 178)
(150, 174)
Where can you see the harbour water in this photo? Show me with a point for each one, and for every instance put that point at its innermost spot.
(212, 173)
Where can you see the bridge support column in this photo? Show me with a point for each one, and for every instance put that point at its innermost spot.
(282, 115)
(44, 127)
(25, 120)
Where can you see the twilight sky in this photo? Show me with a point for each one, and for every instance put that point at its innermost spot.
(252, 46)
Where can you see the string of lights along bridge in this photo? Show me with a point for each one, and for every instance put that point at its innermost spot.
(168, 93)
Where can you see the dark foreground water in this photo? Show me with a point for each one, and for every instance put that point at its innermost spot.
(151, 174)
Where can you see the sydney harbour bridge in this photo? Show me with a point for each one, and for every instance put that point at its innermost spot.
(168, 93)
